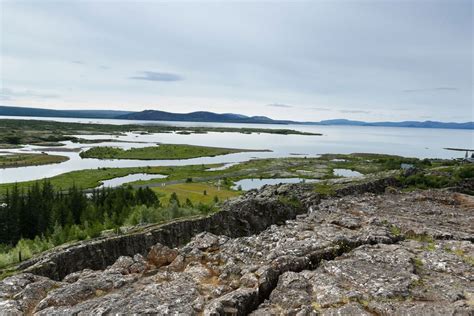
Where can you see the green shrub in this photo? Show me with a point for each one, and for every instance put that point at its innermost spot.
(291, 201)
(465, 172)
(423, 181)
(25, 248)
(324, 189)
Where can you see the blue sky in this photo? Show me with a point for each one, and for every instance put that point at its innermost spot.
(301, 60)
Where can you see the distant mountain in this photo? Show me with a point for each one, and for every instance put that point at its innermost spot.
(414, 124)
(339, 122)
(202, 116)
(427, 124)
(153, 115)
(21, 111)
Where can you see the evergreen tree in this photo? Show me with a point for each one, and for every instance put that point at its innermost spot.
(188, 203)
(174, 199)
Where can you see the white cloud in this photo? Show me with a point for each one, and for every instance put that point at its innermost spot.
(242, 56)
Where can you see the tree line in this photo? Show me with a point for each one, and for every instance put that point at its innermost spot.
(38, 218)
(42, 210)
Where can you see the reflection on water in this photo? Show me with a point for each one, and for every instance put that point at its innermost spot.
(115, 182)
(346, 173)
(249, 184)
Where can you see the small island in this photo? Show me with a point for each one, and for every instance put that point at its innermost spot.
(162, 151)
(23, 160)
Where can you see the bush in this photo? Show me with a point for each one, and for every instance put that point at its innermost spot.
(465, 172)
(144, 215)
(423, 181)
(324, 189)
(13, 140)
(25, 248)
(174, 199)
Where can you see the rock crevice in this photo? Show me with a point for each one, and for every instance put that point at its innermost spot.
(392, 253)
(244, 216)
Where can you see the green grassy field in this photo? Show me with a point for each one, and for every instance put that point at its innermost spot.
(194, 192)
(162, 151)
(91, 178)
(23, 160)
(309, 168)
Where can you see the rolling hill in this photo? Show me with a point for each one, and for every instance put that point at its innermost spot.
(204, 116)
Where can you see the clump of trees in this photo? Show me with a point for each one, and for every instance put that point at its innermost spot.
(174, 209)
(42, 210)
(41, 217)
(101, 152)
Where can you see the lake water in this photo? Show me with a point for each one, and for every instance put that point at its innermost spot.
(115, 182)
(249, 184)
(410, 142)
(346, 173)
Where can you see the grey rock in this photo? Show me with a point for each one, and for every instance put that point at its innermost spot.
(391, 254)
(161, 255)
(386, 279)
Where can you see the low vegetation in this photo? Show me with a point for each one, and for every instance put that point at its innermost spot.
(301, 167)
(324, 189)
(42, 217)
(36, 216)
(370, 163)
(21, 132)
(23, 160)
(438, 177)
(91, 178)
(162, 151)
(194, 193)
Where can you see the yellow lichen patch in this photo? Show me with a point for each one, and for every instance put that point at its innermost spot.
(213, 280)
(316, 306)
(99, 292)
(469, 298)
(464, 200)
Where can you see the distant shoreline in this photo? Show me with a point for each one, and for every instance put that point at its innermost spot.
(151, 122)
(210, 117)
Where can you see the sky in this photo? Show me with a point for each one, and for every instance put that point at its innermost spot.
(371, 60)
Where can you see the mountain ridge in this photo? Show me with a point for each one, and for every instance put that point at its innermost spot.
(200, 116)
(206, 116)
(26, 111)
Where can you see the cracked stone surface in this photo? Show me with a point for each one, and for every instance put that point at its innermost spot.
(389, 254)
(404, 278)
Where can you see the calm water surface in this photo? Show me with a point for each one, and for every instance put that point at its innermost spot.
(115, 182)
(347, 173)
(410, 142)
(249, 184)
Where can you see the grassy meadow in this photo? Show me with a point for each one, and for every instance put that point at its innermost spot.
(162, 151)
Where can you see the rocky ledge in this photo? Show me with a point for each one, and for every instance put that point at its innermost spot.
(393, 253)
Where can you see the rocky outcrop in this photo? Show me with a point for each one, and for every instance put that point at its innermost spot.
(384, 254)
(401, 279)
(243, 216)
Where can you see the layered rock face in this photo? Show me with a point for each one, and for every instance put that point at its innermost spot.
(400, 254)
(242, 216)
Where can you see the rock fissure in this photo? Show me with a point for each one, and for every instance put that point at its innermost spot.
(244, 216)
(344, 257)
(311, 262)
